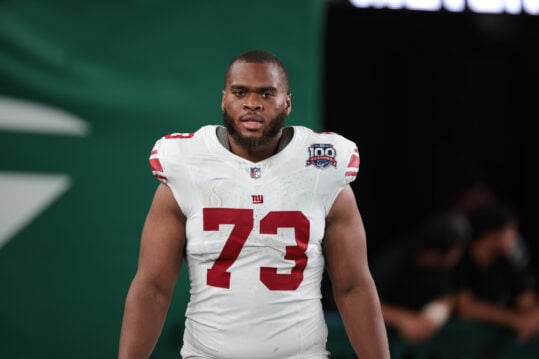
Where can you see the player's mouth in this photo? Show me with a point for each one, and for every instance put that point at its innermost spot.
(251, 122)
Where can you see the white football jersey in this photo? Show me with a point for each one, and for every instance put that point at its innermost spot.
(254, 240)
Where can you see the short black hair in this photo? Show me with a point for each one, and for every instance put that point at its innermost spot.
(492, 217)
(443, 231)
(261, 57)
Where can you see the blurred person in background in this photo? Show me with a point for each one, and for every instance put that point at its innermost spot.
(473, 191)
(496, 290)
(415, 281)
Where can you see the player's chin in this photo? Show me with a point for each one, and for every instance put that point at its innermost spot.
(251, 140)
(251, 133)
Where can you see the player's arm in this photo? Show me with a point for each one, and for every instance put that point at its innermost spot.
(354, 289)
(525, 324)
(418, 325)
(160, 258)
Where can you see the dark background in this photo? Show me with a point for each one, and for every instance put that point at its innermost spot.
(433, 99)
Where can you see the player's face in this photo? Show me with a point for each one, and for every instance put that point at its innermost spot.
(255, 103)
(507, 239)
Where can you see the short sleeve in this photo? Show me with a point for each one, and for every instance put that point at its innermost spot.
(352, 168)
(155, 162)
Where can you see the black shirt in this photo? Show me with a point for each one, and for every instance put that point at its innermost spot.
(401, 281)
(500, 283)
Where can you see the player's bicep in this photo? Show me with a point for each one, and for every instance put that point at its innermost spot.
(345, 242)
(162, 241)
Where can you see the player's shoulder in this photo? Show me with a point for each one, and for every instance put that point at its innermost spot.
(174, 142)
(324, 136)
(331, 148)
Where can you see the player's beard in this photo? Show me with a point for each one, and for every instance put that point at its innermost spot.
(254, 143)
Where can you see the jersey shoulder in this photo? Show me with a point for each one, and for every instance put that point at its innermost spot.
(333, 148)
(333, 138)
(175, 146)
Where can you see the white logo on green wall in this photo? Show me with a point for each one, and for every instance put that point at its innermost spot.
(25, 195)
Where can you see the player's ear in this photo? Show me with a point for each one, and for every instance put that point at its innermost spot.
(288, 103)
(223, 100)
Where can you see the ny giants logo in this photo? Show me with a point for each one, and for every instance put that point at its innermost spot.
(257, 198)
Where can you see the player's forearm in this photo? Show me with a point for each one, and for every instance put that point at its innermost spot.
(363, 321)
(395, 315)
(144, 316)
(488, 312)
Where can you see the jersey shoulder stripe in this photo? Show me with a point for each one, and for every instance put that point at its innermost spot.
(171, 147)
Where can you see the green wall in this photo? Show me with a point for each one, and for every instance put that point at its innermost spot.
(75, 183)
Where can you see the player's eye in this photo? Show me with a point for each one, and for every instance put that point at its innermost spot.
(267, 94)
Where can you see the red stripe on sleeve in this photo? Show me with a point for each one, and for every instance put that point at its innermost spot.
(354, 161)
(160, 177)
(155, 164)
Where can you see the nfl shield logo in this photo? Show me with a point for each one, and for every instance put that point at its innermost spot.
(255, 172)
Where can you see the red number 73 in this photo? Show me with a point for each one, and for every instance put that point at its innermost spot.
(242, 219)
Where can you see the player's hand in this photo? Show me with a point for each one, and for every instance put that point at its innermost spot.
(417, 328)
(527, 325)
